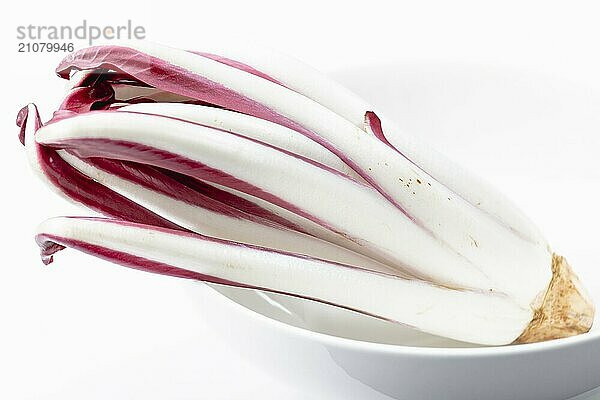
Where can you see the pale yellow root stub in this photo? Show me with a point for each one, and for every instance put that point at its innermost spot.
(564, 310)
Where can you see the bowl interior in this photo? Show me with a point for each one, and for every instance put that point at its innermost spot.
(528, 134)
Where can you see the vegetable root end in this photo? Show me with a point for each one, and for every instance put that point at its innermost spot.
(564, 310)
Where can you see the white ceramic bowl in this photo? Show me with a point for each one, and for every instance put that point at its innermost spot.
(335, 353)
(328, 366)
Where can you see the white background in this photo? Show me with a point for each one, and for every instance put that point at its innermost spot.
(511, 88)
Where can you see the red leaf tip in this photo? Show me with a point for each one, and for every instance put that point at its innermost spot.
(22, 122)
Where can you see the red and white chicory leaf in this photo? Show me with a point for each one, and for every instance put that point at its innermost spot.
(206, 210)
(72, 184)
(432, 308)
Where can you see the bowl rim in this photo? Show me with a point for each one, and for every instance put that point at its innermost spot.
(452, 352)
